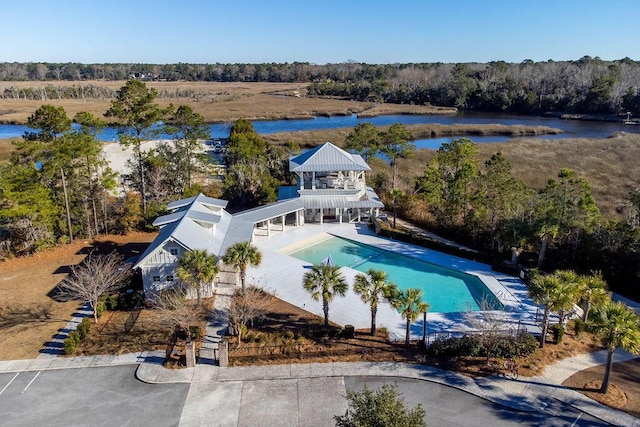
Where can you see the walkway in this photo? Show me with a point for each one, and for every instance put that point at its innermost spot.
(217, 324)
(55, 347)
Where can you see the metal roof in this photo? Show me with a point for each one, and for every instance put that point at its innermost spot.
(186, 227)
(194, 225)
(201, 198)
(325, 158)
(166, 219)
(273, 210)
(333, 202)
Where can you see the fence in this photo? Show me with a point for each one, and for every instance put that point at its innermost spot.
(132, 318)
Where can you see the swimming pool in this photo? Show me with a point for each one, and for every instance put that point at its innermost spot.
(445, 290)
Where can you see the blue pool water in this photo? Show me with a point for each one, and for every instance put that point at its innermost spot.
(445, 290)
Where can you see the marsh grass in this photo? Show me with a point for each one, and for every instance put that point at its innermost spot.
(217, 102)
(609, 164)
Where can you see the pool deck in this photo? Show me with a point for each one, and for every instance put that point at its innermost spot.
(282, 275)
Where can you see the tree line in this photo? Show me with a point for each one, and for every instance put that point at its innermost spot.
(58, 184)
(587, 85)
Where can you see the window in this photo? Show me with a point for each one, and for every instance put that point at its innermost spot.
(173, 251)
(169, 278)
(156, 278)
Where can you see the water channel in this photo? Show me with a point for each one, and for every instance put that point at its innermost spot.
(571, 128)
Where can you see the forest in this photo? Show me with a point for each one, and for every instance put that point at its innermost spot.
(584, 86)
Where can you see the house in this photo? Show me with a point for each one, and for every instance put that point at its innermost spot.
(198, 222)
(331, 187)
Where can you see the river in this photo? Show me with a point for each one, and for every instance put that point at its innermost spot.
(571, 128)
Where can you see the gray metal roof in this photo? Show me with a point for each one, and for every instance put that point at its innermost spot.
(326, 158)
(274, 210)
(186, 227)
(166, 219)
(201, 198)
(333, 202)
(195, 226)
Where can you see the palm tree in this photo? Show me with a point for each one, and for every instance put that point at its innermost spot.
(619, 326)
(372, 288)
(197, 268)
(240, 255)
(542, 290)
(567, 293)
(545, 233)
(324, 282)
(410, 305)
(593, 291)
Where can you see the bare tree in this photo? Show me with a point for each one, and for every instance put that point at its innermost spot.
(179, 312)
(491, 324)
(94, 277)
(248, 304)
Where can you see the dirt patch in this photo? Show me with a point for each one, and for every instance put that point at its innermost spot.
(29, 317)
(623, 393)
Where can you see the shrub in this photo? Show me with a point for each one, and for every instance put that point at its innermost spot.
(100, 308)
(468, 345)
(251, 338)
(349, 331)
(289, 335)
(382, 406)
(579, 326)
(69, 346)
(74, 337)
(526, 344)
(111, 302)
(83, 328)
(558, 333)
(195, 332)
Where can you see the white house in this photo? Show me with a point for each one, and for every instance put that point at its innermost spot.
(331, 187)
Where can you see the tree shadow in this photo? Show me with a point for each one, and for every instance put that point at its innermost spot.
(129, 251)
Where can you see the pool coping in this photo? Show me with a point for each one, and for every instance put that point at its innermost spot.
(282, 274)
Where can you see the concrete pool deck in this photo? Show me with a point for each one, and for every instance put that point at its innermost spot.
(282, 275)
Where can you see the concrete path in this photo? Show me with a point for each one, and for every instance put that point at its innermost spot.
(55, 347)
(217, 324)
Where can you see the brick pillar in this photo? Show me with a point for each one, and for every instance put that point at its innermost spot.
(223, 353)
(190, 353)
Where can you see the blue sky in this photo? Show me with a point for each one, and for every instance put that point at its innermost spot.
(372, 31)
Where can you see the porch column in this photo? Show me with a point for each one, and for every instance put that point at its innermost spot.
(341, 211)
(321, 215)
(268, 227)
(313, 180)
(282, 218)
(358, 214)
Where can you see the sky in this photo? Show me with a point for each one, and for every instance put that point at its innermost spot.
(319, 32)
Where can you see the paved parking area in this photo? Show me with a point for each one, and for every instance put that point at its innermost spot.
(108, 396)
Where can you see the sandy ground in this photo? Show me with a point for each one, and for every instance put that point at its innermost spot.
(29, 316)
